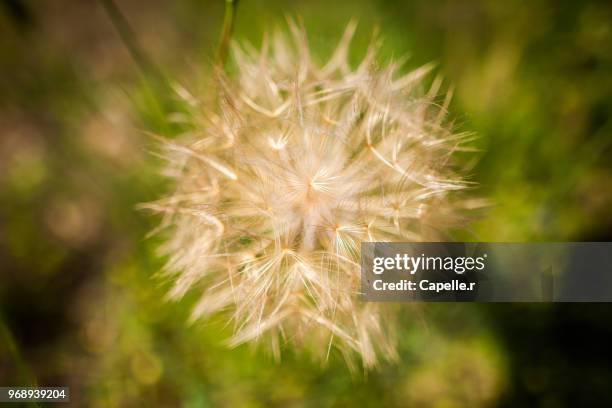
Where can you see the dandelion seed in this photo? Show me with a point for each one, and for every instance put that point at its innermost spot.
(296, 166)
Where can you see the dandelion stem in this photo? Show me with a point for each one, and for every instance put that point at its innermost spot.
(226, 34)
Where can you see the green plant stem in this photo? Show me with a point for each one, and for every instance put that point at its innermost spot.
(129, 39)
(25, 376)
(155, 82)
(226, 33)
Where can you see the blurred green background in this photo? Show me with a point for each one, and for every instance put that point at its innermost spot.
(79, 303)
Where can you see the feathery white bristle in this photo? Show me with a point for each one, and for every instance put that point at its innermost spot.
(290, 171)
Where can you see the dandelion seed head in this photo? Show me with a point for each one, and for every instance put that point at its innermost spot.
(285, 174)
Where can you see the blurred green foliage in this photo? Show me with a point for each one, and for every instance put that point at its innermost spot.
(80, 301)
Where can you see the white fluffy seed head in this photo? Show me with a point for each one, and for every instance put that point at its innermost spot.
(286, 173)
